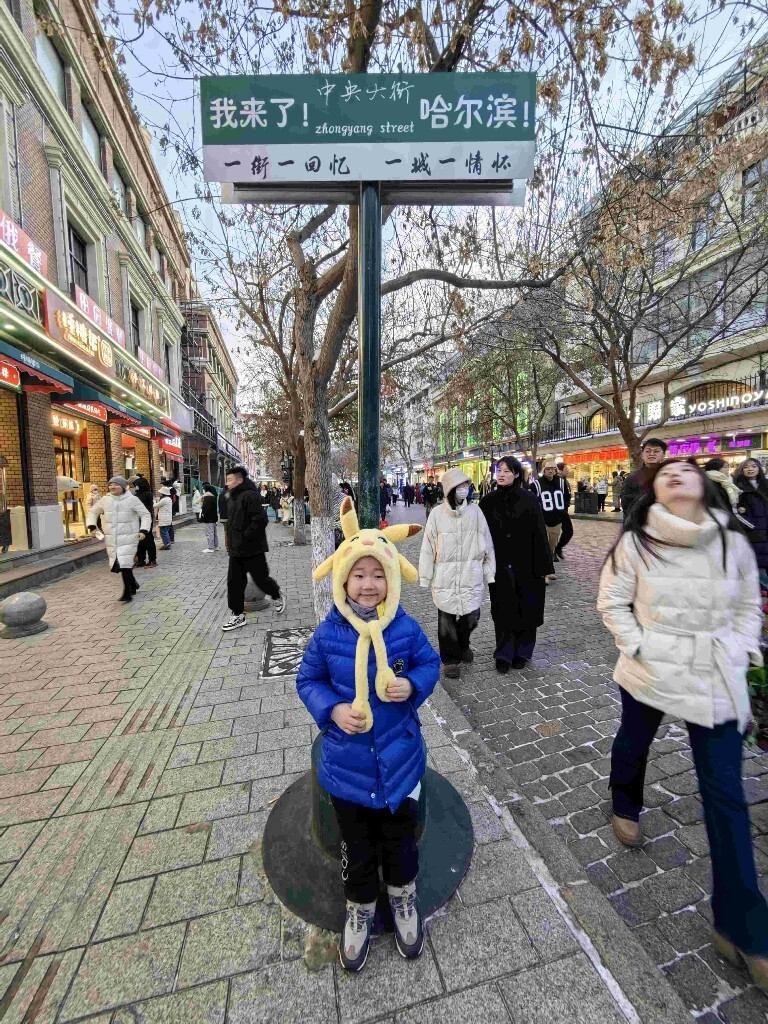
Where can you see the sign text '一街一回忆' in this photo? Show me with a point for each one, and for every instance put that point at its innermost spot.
(305, 128)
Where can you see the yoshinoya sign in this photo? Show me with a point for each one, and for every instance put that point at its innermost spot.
(336, 128)
(681, 407)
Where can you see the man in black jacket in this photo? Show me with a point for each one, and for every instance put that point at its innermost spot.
(247, 537)
(652, 452)
(430, 495)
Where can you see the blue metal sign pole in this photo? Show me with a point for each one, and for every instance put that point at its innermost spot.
(369, 351)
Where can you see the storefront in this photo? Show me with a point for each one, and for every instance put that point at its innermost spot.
(171, 457)
(592, 465)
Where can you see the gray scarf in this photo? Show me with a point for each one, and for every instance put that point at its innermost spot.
(366, 614)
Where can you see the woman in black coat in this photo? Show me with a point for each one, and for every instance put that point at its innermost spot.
(753, 506)
(523, 561)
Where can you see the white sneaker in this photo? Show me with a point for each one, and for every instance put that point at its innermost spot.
(280, 604)
(208, 551)
(234, 622)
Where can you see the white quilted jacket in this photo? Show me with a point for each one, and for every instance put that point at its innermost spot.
(457, 558)
(121, 519)
(686, 630)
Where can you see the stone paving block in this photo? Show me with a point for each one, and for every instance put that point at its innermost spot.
(479, 1005)
(694, 981)
(685, 931)
(632, 865)
(252, 724)
(659, 950)
(51, 737)
(237, 835)
(23, 782)
(565, 992)
(546, 928)
(186, 780)
(124, 909)
(18, 761)
(192, 892)
(254, 766)
(211, 804)
(68, 753)
(387, 984)
(480, 943)
(231, 942)
(198, 716)
(283, 994)
(265, 792)
(233, 746)
(123, 970)
(672, 890)
(30, 806)
(204, 731)
(66, 775)
(206, 1004)
(278, 739)
(17, 839)
(687, 810)
(486, 825)
(34, 994)
(635, 906)
(235, 709)
(297, 759)
(746, 1008)
(667, 852)
(161, 814)
(163, 851)
(497, 870)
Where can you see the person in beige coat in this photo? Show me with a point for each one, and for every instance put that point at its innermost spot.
(457, 560)
(680, 594)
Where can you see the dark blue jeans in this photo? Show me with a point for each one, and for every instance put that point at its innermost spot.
(739, 908)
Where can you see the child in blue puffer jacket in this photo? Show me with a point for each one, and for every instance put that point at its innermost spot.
(365, 672)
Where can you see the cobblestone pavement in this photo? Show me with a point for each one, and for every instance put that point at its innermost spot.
(140, 753)
(555, 721)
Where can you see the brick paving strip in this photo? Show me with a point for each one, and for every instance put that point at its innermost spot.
(140, 753)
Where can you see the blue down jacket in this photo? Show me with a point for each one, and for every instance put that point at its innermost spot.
(378, 768)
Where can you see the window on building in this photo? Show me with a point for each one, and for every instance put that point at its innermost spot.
(156, 258)
(50, 63)
(9, 190)
(705, 224)
(140, 227)
(753, 184)
(91, 137)
(135, 326)
(78, 259)
(120, 190)
(168, 364)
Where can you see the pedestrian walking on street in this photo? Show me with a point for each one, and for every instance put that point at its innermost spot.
(566, 526)
(457, 559)
(247, 540)
(429, 495)
(616, 485)
(555, 499)
(209, 516)
(753, 507)
(384, 499)
(523, 561)
(146, 553)
(164, 516)
(652, 452)
(197, 504)
(679, 591)
(373, 757)
(124, 520)
(717, 471)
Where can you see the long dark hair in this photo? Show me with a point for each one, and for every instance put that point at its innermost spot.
(637, 519)
(514, 467)
(745, 485)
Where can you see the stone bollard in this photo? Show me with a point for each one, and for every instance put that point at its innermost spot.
(22, 615)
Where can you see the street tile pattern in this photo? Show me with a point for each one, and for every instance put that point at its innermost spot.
(141, 750)
(555, 722)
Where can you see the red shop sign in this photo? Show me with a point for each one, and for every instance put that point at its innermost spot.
(172, 445)
(9, 375)
(18, 241)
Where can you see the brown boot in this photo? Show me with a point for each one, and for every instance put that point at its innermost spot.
(452, 671)
(626, 831)
(756, 965)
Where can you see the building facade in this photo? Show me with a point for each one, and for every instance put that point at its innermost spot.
(93, 266)
(209, 384)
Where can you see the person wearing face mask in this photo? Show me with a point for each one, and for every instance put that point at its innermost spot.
(752, 505)
(456, 560)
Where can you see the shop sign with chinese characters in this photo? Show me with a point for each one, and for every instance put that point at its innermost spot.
(149, 363)
(21, 294)
(64, 424)
(19, 242)
(98, 317)
(76, 334)
(321, 128)
(9, 375)
(95, 410)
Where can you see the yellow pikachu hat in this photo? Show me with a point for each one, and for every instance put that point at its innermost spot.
(378, 544)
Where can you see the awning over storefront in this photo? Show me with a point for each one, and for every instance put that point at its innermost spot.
(115, 411)
(171, 447)
(35, 373)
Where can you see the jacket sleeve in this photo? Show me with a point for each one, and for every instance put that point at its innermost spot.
(313, 684)
(615, 596)
(145, 518)
(424, 666)
(747, 613)
(97, 509)
(489, 558)
(630, 492)
(428, 552)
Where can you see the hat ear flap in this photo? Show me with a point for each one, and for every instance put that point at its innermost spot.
(349, 522)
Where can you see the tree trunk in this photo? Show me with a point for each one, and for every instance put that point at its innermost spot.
(317, 442)
(299, 483)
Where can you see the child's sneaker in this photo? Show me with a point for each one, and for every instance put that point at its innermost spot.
(356, 938)
(409, 931)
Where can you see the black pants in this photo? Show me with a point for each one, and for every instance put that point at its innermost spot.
(511, 643)
(370, 838)
(566, 536)
(129, 582)
(147, 550)
(237, 580)
(601, 502)
(453, 634)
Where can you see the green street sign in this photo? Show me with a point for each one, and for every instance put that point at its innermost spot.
(281, 129)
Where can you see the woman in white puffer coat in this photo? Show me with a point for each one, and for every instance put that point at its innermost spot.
(124, 520)
(457, 559)
(680, 594)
